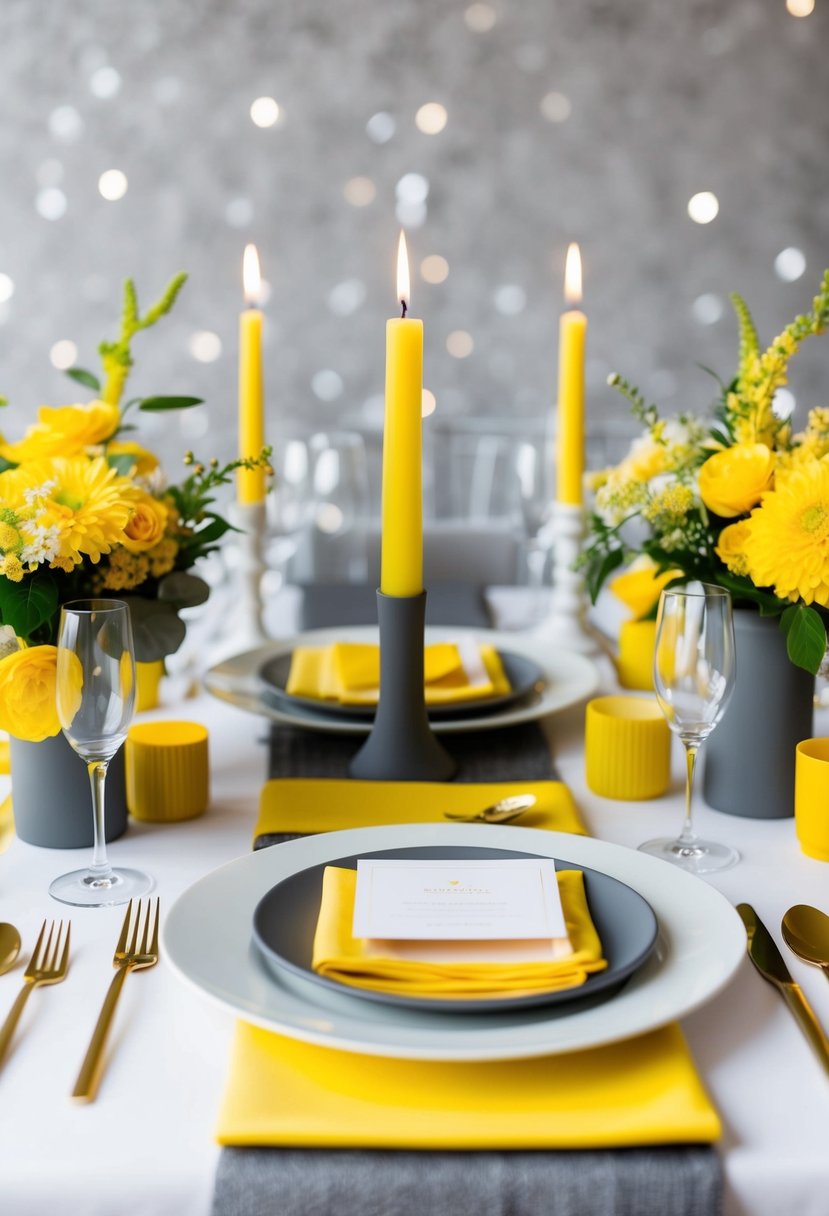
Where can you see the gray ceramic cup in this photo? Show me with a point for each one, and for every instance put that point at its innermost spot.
(52, 799)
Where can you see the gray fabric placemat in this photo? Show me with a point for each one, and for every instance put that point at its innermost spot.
(519, 753)
(683, 1181)
(356, 1182)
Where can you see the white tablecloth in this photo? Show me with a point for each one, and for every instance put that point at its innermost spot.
(145, 1147)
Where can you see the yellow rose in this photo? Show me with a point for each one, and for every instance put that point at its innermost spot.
(28, 708)
(639, 587)
(731, 546)
(732, 482)
(147, 524)
(64, 431)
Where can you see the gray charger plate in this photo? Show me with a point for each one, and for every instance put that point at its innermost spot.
(285, 920)
(524, 676)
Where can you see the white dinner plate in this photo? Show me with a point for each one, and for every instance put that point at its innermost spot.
(207, 939)
(566, 679)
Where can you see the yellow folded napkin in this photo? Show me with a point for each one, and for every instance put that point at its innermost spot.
(349, 673)
(325, 804)
(644, 1091)
(389, 966)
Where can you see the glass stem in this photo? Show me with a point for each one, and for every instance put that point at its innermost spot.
(97, 770)
(687, 836)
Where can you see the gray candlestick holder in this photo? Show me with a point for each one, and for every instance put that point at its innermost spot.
(401, 745)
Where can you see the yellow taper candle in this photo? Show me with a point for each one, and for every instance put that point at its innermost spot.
(571, 335)
(401, 564)
(250, 483)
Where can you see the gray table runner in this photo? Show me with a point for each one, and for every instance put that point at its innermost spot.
(659, 1181)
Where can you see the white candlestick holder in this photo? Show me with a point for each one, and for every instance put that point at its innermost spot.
(566, 624)
(247, 629)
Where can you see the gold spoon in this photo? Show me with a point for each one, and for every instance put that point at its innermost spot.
(806, 932)
(9, 946)
(500, 812)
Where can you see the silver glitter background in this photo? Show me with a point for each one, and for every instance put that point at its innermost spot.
(594, 120)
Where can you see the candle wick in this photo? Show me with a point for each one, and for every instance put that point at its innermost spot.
(404, 306)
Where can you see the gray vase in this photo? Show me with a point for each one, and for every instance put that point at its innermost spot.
(750, 756)
(52, 799)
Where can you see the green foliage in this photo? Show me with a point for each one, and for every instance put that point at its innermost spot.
(116, 357)
(155, 404)
(28, 605)
(805, 636)
(88, 379)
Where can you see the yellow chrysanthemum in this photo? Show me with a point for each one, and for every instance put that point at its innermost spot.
(731, 482)
(11, 568)
(87, 508)
(787, 546)
(64, 431)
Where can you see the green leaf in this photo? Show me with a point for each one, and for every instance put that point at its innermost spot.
(81, 376)
(183, 590)
(122, 463)
(169, 403)
(213, 531)
(805, 636)
(28, 604)
(598, 572)
(156, 627)
(6, 464)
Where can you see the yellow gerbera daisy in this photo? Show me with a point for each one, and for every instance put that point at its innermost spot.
(787, 547)
(86, 504)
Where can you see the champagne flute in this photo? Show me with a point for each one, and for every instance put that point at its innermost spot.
(694, 677)
(95, 702)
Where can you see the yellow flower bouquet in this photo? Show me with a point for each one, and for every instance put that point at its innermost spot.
(85, 510)
(739, 499)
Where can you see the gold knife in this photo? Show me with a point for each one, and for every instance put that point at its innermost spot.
(763, 952)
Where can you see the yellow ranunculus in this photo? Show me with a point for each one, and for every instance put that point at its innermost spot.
(147, 524)
(731, 482)
(639, 587)
(64, 431)
(731, 546)
(28, 707)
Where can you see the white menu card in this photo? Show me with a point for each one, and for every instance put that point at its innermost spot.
(467, 900)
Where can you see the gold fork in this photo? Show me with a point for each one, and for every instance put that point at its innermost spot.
(136, 950)
(48, 965)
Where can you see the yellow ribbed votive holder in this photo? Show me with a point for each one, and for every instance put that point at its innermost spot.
(168, 774)
(627, 748)
(634, 665)
(811, 797)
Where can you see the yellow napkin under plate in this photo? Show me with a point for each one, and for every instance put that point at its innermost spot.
(364, 963)
(349, 673)
(326, 804)
(644, 1091)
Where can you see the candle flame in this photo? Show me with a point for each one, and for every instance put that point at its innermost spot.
(403, 284)
(572, 275)
(251, 278)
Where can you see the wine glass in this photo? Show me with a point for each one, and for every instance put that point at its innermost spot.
(340, 506)
(95, 701)
(694, 678)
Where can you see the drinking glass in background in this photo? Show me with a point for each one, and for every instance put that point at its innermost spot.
(95, 703)
(339, 506)
(694, 670)
(289, 505)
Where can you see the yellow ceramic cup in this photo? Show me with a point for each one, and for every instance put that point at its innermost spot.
(168, 776)
(627, 748)
(637, 640)
(811, 797)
